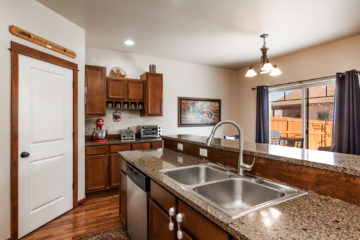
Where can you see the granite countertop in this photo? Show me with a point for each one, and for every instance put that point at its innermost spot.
(337, 162)
(308, 217)
(119, 141)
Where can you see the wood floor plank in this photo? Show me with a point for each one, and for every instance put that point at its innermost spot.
(99, 212)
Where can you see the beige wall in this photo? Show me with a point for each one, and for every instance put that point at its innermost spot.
(319, 61)
(34, 17)
(180, 79)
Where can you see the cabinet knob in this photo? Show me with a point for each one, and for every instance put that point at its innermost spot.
(180, 217)
(171, 214)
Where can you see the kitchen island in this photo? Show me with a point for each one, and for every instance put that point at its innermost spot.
(312, 216)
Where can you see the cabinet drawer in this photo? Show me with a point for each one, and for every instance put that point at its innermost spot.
(123, 165)
(96, 150)
(165, 199)
(119, 148)
(157, 144)
(141, 146)
(199, 226)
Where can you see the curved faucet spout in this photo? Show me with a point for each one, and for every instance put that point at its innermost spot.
(241, 165)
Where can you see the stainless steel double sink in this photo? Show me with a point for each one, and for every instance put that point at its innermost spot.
(232, 194)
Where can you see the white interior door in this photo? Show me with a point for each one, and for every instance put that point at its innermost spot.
(45, 132)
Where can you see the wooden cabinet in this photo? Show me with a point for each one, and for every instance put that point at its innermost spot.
(141, 146)
(195, 225)
(116, 89)
(159, 223)
(122, 199)
(125, 89)
(96, 173)
(114, 170)
(95, 77)
(153, 94)
(135, 90)
(199, 226)
(103, 164)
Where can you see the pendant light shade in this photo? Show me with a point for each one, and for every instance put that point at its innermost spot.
(275, 72)
(250, 72)
(267, 67)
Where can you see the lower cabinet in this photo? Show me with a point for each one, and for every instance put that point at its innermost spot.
(122, 199)
(114, 170)
(193, 225)
(102, 164)
(159, 223)
(96, 173)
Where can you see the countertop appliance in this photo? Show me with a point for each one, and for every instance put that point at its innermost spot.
(138, 187)
(149, 131)
(99, 134)
(127, 135)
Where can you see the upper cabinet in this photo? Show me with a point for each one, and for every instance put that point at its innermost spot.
(125, 89)
(135, 90)
(95, 78)
(153, 94)
(116, 89)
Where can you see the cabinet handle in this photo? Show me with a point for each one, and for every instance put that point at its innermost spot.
(171, 223)
(180, 217)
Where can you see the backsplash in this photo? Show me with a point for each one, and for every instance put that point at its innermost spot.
(129, 118)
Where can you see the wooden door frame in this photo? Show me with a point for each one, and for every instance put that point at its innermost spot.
(15, 50)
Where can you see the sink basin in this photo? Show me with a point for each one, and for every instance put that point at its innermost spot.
(195, 175)
(235, 195)
(238, 194)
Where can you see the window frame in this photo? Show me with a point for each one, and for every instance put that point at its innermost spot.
(304, 86)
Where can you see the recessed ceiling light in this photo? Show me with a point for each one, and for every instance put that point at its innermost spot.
(129, 42)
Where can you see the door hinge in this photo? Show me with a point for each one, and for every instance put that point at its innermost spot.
(73, 135)
(73, 186)
(73, 84)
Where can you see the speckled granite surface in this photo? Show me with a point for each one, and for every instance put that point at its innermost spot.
(118, 141)
(309, 217)
(338, 162)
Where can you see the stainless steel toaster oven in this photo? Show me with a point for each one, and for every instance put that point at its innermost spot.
(149, 131)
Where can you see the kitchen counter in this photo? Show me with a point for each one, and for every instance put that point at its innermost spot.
(308, 217)
(337, 162)
(119, 141)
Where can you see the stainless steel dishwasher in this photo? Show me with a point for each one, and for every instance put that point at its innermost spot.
(138, 186)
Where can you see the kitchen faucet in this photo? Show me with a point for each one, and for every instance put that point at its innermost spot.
(241, 165)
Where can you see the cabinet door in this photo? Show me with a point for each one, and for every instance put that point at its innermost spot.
(135, 90)
(123, 197)
(141, 146)
(96, 173)
(95, 78)
(159, 223)
(116, 89)
(153, 94)
(199, 226)
(115, 170)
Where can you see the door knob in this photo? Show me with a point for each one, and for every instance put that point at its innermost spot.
(24, 154)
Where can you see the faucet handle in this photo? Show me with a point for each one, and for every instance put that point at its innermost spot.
(248, 167)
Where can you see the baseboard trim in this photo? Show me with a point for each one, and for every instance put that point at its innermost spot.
(82, 201)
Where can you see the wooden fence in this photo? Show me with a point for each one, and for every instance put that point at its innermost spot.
(320, 132)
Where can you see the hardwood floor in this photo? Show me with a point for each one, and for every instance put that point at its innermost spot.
(100, 211)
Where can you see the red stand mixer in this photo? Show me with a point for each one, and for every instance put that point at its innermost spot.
(99, 134)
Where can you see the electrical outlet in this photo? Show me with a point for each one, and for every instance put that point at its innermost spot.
(203, 152)
(180, 147)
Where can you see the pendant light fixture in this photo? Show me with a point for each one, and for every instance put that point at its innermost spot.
(265, 66)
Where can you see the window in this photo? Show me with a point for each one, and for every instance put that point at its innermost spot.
(302, 116)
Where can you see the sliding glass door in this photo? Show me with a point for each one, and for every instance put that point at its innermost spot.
(301, 115)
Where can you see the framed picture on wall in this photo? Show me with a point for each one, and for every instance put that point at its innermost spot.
(197, 112)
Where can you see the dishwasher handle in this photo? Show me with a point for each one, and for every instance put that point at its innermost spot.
(140, 179)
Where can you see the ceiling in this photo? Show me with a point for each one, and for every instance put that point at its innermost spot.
(223, 33)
